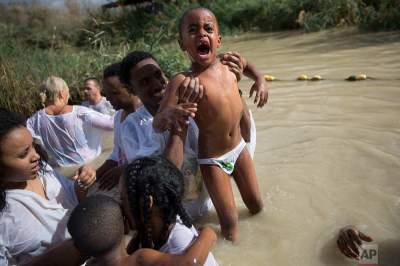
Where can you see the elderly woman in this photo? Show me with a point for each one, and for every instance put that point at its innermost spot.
(70, 134)
(35, 201)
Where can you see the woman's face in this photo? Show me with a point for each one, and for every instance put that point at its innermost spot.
(19, 160)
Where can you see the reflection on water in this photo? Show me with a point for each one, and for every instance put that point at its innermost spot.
(328, 152)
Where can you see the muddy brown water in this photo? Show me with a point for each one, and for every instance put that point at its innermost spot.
(328, 152)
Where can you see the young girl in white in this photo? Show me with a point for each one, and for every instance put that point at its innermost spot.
(152, 190)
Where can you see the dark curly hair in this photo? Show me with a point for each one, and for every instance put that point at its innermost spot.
(187, 11)
(157, 177)
(8, 122)
(112, 70)
(129, 62)
(96, 225)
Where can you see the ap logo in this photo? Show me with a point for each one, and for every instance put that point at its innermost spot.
(368, 255)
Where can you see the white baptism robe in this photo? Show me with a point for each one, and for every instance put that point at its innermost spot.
(139, 139)
(103, 106)
(30, 224)
(251, 146)
(72, 138)
(181, 238)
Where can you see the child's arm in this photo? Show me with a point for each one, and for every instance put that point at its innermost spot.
(194, 255)
(56, 256)
(259, 85)
(170, 114)
(238, 65)
(176, 145)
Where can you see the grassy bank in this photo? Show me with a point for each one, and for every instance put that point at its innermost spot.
(74, 43)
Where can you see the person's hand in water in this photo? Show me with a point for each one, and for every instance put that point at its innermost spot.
(349, 241)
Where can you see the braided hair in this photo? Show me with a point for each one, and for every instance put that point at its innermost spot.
(8, 122)
(157, 177)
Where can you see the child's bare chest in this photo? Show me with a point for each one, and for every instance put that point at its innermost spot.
(221, 100)
(218, 86)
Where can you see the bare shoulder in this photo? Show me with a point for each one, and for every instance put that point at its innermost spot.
(177, 79)
(225, 70)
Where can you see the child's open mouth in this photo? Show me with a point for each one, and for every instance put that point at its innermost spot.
(203, 49)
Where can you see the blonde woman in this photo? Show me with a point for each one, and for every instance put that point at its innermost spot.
(70, 134)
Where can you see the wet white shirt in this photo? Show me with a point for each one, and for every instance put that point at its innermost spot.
(103, 106)
(31, 224)
(73, 138)
(117, 154)
(139, 139)
(180, 239)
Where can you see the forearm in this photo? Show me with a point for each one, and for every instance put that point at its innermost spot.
(250, 71)
(161, 119)
(175, 146)
(102, 121)
(197, 254)
(63, 254)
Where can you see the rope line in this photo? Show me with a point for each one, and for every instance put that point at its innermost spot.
(303, 77)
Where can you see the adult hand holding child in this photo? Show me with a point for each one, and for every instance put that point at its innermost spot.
(191, 90)
(239, 65)
(175, 117)
(234, 61)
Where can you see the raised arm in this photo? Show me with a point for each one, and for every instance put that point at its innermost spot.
(175, 107)
(98, 120)
(176, 117)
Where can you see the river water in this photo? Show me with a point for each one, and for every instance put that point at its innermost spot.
(328, 152)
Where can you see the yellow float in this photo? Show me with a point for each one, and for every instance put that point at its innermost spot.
(316, 78)
(302, 77)
(358, 77)
(269, 78)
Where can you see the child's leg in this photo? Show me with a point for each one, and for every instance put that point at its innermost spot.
(246, 180)
(219, 187)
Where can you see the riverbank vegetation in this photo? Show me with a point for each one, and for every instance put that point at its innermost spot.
(74, 43)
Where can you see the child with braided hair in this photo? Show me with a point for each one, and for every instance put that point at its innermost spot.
(152, 191)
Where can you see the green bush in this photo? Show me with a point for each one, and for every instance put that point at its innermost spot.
(37, 42)
(23, 68)
(380, 15)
